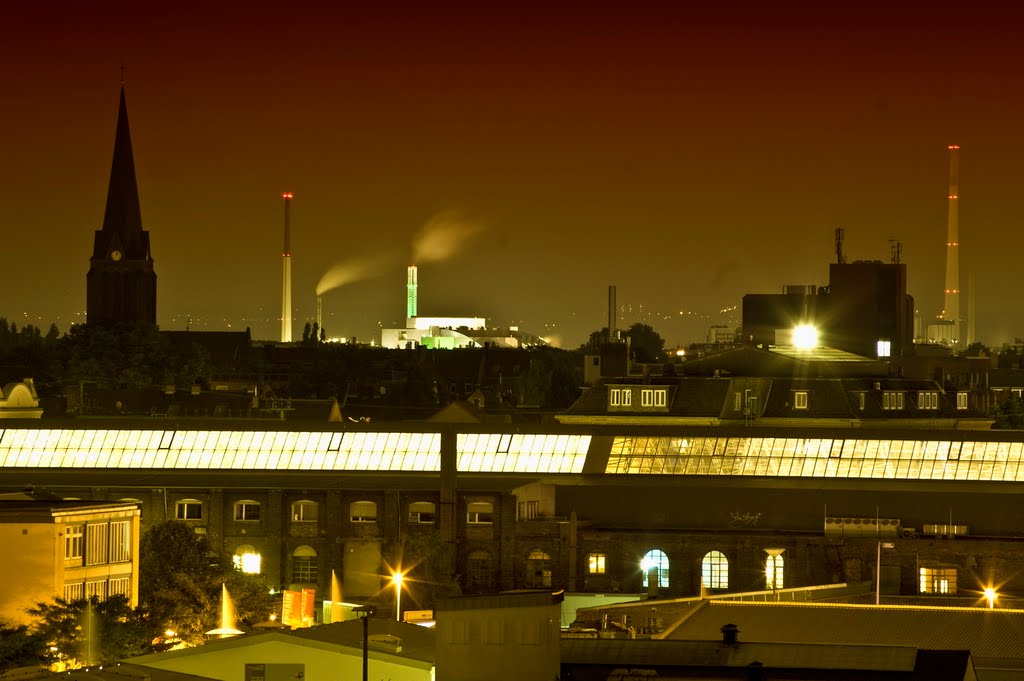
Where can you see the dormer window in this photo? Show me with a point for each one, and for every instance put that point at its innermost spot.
(800, 399)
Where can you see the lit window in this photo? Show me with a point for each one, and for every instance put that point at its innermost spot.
(96, 588)
(422, 513)
(119, 586)
(596, 563)
(363, 511)
(247, 510)
(74, 543)
(892, 400)
(899, 400)
(884, 348)
(775, 572)
(96, 547)
(120, 541)
(647, 397)
(938, 580)
(538, 570)
(189, 509)
(927, 400)
(737, 401)
(479, 570)
(655, 560)
(305, 568)
(627, 397)
(961, 401)
(660, 398)
(861, 400)
(247, 560)
(74, 592)
(800, 399)
(714, 571)
(614, 397)
(480, 513)
(305, 511)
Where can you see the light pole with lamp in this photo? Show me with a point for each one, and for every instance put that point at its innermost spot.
(365, 612)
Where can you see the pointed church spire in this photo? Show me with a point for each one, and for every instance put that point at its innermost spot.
(123, 214)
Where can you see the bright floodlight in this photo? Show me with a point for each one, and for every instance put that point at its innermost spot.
(805, 337)
(991, 596)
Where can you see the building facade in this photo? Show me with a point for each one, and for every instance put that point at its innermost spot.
(70, 549)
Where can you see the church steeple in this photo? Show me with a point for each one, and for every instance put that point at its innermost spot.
(121, 282)
(123, 216)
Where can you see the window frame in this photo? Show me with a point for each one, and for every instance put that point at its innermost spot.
(362, 519)
(480, 516)
(299, 515)
(597, 563)
(244, 509)
(800, 400)
(182, 506)
(416, 517)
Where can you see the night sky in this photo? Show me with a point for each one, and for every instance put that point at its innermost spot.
(686, 153)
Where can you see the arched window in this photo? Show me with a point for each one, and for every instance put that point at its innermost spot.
(363, 511)
(480, 513)
(422, 513)
(304, 511)
(247, 559)
(247, 510)
(538, 570)
(305, 567)
(479, 571)
(188, 509)
(714, 571)
(774, 571)
(655, 558)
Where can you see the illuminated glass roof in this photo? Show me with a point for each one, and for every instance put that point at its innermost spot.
(522, 453)
(305, 451)
(220, 450)
(818, 458)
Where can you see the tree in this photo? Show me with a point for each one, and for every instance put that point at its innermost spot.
(976, 349)
(1010, 414)
(647, 346)
(180, 586)
(91, 631)
(20, 648)
(553, 379)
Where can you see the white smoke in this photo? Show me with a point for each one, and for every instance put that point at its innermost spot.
(443, 236)
(351, 271)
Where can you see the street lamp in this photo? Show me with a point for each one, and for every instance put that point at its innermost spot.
(991, 596)
(396, 579)
(365, 612)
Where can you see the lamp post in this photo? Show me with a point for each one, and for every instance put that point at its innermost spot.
(396, 579)
(365, 612)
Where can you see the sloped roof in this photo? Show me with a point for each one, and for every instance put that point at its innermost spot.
(417, 642)
(988, 634)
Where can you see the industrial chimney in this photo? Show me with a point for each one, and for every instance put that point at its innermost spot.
(612, 315)
(286, 286)
(951, 295)
(410, 296)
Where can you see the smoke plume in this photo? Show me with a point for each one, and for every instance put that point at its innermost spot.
(351, 271)
(443, 236)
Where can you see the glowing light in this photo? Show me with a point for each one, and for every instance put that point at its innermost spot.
(991, 596)
(954, 146)
(287, 195)
(805, 337)
(396, 578)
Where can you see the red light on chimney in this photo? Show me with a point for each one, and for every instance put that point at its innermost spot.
(287, 195)
(954, 146)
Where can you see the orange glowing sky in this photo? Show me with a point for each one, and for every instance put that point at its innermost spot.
(686, 154)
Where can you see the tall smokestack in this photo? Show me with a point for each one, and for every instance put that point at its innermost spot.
(410, 293)
(612, 314)
(951, 297)
(286, 285)
(319, 317)
(970, 309)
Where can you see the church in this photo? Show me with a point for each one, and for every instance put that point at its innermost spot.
(121, 284)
